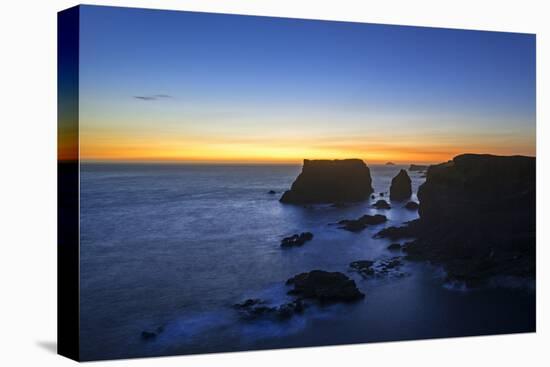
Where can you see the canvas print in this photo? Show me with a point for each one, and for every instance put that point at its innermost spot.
(232, 183)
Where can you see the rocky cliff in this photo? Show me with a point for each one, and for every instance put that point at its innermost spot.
(477, 217)
(330, 181)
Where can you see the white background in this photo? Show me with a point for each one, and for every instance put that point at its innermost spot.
(28, 183)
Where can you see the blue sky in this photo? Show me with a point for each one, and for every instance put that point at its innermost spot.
(236, 84)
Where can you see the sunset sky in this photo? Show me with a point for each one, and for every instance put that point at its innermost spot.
(192, 87)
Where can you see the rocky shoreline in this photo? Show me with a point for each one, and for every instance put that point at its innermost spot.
(477, 218)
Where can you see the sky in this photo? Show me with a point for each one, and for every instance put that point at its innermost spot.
(197, 87)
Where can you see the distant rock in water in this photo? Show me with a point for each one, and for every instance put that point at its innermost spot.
(297, 239)
(325, 287)
(390, 164)
(400, 188)
(412, 205)
(330, 181)
(272, 192)
(381, 204)
(417, 167)
(477, 217)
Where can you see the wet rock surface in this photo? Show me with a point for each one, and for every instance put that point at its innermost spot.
(330, 181)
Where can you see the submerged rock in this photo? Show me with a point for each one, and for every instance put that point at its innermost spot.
(330, 181)
(412, 205)
(325, 286)
(400, 188)
(381, 204)
(355, 225)
(297, 239)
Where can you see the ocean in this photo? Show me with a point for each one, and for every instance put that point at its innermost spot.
(175, 246)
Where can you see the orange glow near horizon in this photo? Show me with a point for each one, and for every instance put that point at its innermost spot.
(291, 149)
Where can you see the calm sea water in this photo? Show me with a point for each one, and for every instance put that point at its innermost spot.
(177, 245)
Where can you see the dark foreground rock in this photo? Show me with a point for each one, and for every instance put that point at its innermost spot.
(412, 205)
(356, 225)
(400, 188)
(325, 287)
(381, 204)
(477, 218)
(330, 181)
(297, 239)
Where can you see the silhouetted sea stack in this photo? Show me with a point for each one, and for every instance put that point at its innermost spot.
(330, 181)
(400, 188)
(477, 217)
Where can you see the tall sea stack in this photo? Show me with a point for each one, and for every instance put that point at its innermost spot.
(330, 181)
(400, 188)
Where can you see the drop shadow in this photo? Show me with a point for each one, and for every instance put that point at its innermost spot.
(50, 346)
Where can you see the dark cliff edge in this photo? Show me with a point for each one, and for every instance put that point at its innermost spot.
(477, 218)
(330, 181)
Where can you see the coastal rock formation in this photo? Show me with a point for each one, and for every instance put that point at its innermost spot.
(417, 167)
(477, 218)
(400, 188)
(381, 204)
(297, 239)
(356, 225)
(325, 287)
(330, 181)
